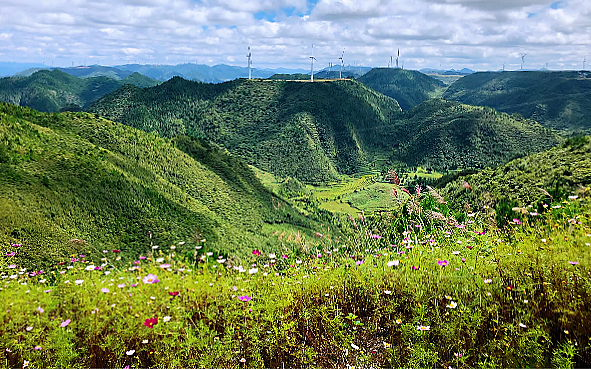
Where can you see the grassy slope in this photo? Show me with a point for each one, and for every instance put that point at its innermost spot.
(444, 135)
(408, 87)
(560, 100)
(52, 91)
(520, 180)
(304, 130)
(71, 175)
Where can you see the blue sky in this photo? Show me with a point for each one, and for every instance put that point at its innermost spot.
(477, 34)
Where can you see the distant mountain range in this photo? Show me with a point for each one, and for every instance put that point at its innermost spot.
(52, 91)
(203, 73)
(449, 72)
(560, 100)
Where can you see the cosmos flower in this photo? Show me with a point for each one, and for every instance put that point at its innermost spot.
(423, 328)
(151, 322)
(244, 298)
(442, 263)
(166, 319)
(516, 221)
(150, 279)
(393, 263)
(488, 281)
(65, 323)
(573, 262)
(104, 290)
(415, 267)
(130, 352)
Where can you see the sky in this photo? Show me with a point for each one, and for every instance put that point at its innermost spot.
(443, 34)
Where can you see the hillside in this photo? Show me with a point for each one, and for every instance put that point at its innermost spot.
(408, 87)
(560, 100)
(52, 91)
(444, 135)
(559, 171)
(312, 131)
(75, 176)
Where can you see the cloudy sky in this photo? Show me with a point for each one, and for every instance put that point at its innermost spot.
(477, 34)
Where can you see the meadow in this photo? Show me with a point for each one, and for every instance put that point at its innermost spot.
(422, 286)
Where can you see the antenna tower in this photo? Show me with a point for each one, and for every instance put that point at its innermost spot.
(398, 56)
(249, 56)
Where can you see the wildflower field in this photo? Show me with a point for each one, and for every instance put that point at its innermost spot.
(422, 286)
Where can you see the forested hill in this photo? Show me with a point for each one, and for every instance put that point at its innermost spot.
(561, 100)
(408, 87)
(311, 131)
(445, 135)
(53, 91)
(74, 176)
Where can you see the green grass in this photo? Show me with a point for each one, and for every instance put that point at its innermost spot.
(338, 304)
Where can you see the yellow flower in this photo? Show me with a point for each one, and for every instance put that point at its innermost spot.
(448, 297)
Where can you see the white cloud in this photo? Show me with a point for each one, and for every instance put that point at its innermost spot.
(480, 34)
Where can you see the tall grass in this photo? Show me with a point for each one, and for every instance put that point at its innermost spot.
(398, 290)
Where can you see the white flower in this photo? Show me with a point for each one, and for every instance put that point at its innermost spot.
(172, 247)
(488, 281)
(298, 261)
(130, 352)
(253, 271)
(387, 292)
(154, 247)
(209, 253)
(28, 329)
(573, 197)
(145, 341)
(160, 260)
(355, 346)
(221, 261)
(107, 272)
(90, 267)
(42, 280)
(272, 256)
(79, 281)
(182, 243)
(452, 305)
(522, 325)
(67, 281)
(166, 319)
(393, 263)
(455, 252)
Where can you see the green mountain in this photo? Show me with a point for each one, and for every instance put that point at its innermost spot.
(311, 131)
(74, 176)
(291, 77)
(443, 135)
(561, 100)
(559, 172)
(408, 87)
(52, 91)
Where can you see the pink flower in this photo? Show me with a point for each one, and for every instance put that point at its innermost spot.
(37, 348)
(244, 298)
(116, 251)
(104, 290)
(516, 221)
(65, 323)
(142, 257)
(573, 262)
(256, 252)
(12, 253)
(375, 236)
(442, 263)
(150, 279)
(165, 266)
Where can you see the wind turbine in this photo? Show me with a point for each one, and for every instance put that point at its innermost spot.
(342, 63)
(249, 55)
(584, 61)
(522, 60)
(312, 58)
